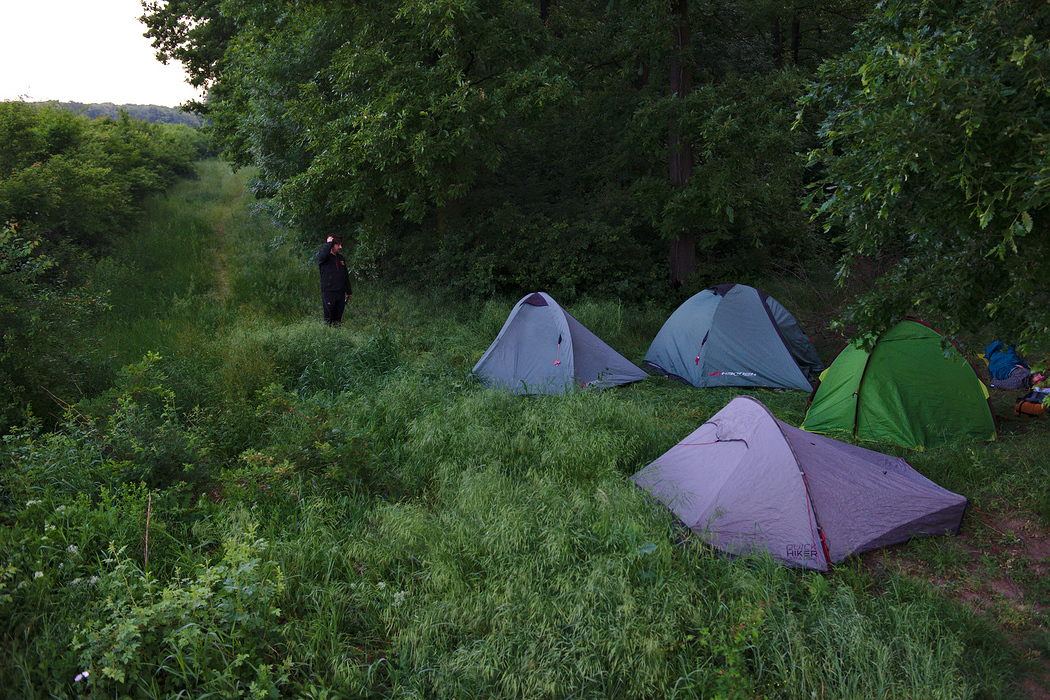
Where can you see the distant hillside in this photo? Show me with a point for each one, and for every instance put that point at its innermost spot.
(146, 113)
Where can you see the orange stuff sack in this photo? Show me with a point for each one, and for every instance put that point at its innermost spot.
(1028, 408)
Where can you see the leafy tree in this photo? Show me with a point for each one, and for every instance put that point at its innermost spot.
(193, 32)
(933, 157)
(722, 129)
(679, 146)
(367, 111)
(405, 124)
(146, 113)
(745, 175)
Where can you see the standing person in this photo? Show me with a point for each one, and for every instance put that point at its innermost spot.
(335, 280)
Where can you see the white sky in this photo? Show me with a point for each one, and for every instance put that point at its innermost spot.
(83, 51)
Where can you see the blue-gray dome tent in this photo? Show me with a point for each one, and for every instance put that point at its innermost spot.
(542, 349)
(734, 335)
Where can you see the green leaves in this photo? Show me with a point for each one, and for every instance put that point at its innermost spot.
(746, 169)
(203, 635)
(70, 178)
(930, 154)
(371, 111)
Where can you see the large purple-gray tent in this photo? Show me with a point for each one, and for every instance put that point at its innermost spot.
(747, 482)
(542, 349)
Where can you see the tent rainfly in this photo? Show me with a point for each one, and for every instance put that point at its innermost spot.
(905, 390)
(747, 482)
(734, 335)
(542, 349)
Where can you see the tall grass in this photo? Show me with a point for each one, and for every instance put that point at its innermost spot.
(344, 512)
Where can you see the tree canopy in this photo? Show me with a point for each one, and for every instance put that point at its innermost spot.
(67, 177)
(146, 113)
(933, 155)
(540, 120)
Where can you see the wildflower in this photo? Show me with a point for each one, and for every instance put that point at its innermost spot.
(30, 504)
(82, 677)
(38, 574)
(72, 549)
(75, 582)
(49, 527)
(93, 580)
(399, 598)
(60, 509)
(382, 585)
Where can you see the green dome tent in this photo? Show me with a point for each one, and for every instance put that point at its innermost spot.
(904, 391)
(734, 335)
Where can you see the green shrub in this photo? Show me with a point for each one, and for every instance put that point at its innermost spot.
(308, 438)
(54, 562)
(138, 424)
(207, 634)
(46, 325)
(510, 250)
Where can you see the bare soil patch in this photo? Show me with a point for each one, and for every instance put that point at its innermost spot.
(999, 568)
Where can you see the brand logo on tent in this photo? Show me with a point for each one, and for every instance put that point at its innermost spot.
(799, 551)
(732, 374)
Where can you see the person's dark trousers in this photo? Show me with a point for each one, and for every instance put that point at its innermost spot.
(333, 303)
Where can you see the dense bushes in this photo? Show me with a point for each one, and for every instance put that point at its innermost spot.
(509, 251)
(522, 147)
(63, 176)
(71, 189)
(46, 319)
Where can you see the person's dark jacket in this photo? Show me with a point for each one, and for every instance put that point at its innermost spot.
(335, 277)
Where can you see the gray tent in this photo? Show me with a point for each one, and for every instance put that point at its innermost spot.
(542, 349)
(734, 335)
(748, 482)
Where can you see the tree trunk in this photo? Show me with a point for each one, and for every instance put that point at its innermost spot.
(680, 151)
(641, 73)
(796, 38)
(778, 41)
(778, 44)
(447, 213)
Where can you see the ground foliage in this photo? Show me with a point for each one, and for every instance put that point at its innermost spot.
(260, 505)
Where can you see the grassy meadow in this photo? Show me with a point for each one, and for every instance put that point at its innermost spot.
(257, 505)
